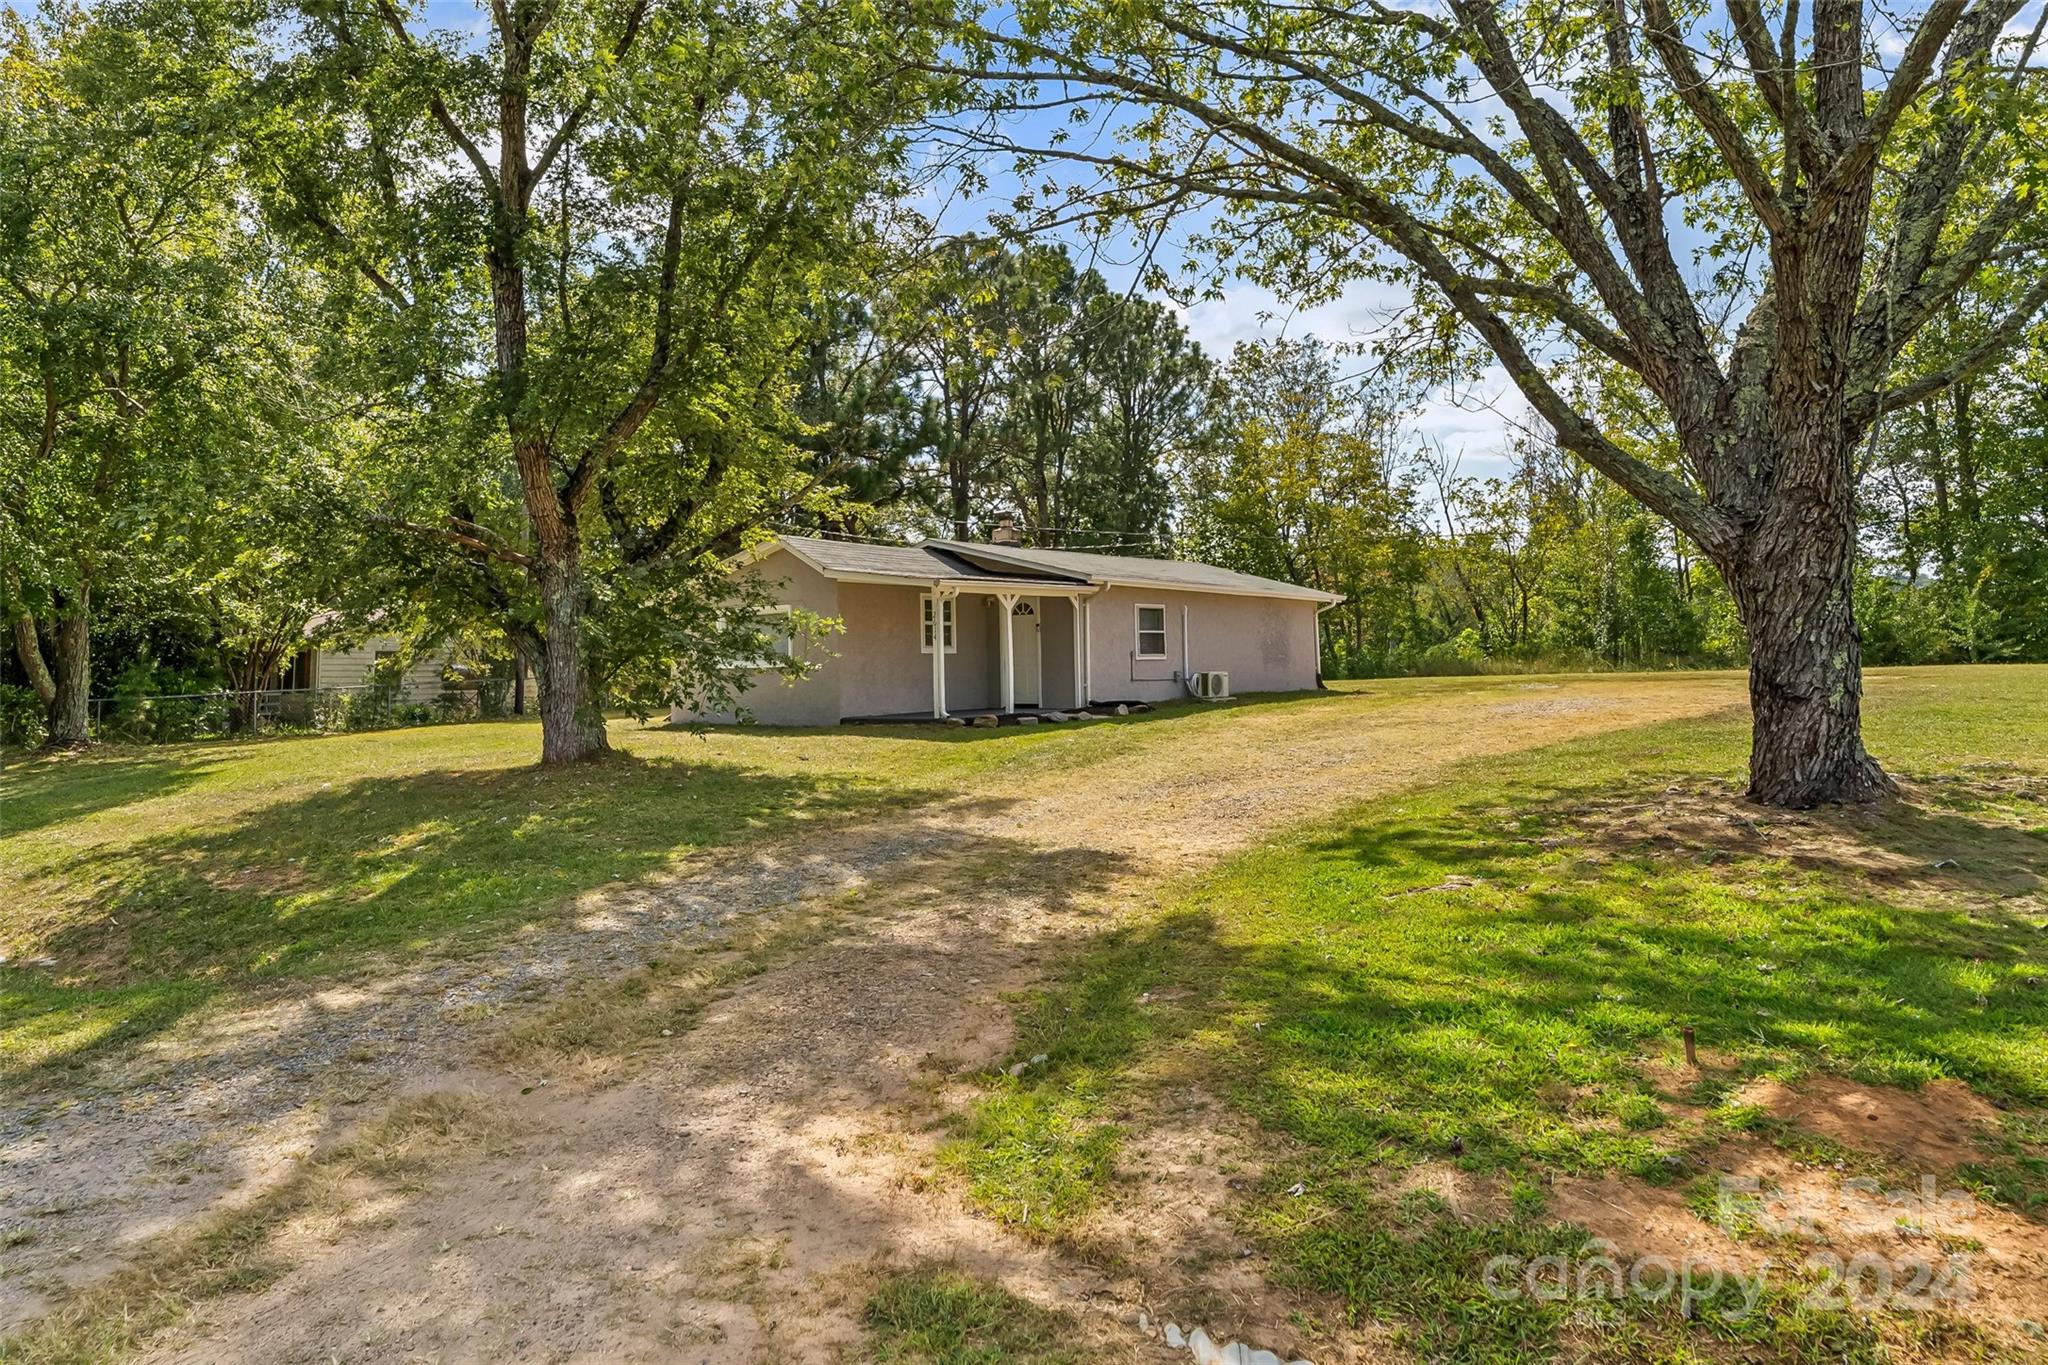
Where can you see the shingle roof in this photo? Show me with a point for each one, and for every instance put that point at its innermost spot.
(974, 560)
(1186, 575)
(923, 562)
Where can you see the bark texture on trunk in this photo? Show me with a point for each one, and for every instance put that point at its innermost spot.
(1793, 585)
(29, 649)
(1805, 689)
(571, 721)
(68, 718)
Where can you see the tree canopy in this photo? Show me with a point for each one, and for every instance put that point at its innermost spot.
(586, 246)
(132, 346)
(1747, 218)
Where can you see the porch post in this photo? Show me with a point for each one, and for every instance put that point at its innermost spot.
(1087, 652)
(1008, 602)
(938, 653)
(1080, 688)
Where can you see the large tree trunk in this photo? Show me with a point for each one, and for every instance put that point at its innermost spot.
(960, 490)
(1792, 587)
(571, 721)
(1792, 575)
(247, 672)
(29, 649)
(571, 724)
(67, 719)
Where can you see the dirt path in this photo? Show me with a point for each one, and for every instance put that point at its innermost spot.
(728, 1193)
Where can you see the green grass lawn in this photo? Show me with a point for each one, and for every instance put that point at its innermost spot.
(144, 884)
(941, 1317)
(1493, 972)
(150, 881)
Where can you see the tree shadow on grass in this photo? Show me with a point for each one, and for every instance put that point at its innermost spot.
(1482, 978)
(39, 791)
(1893, 945)
(1483, 981)
(431, 863)
(1922, 855)
(1964, 837)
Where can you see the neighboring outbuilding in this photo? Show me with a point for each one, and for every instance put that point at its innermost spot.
(355, 666)
(1019, 631)
(384, 670)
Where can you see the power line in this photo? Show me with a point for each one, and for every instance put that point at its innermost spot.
(1067, 527)
(1097, 539)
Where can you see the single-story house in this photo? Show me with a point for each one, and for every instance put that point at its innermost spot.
(1017, 630)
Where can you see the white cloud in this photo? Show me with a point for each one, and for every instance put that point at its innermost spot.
(1475, 421)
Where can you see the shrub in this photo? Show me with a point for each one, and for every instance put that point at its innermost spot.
(21, 716)
(1462, 656)
(491, 696)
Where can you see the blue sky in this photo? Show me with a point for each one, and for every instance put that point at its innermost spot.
(1474, 422)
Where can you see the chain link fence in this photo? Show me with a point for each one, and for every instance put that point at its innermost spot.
(167, 718)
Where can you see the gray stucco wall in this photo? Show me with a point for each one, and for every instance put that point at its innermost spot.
(873, 666)
(1266, 644)
(885, 671)
(771, 698)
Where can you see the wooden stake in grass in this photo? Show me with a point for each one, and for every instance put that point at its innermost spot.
(1692, 1058)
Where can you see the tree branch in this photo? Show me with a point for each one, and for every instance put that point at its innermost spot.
(1582, 322)
(439, 107)
(634, 18)
(456, 531)
(1914, 67)
(1713, 116)
(598, 453)
(1972, 362)
(1775, 76)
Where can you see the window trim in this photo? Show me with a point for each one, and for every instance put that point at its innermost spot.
(775, 658)
(949, 624)
(1139, 632)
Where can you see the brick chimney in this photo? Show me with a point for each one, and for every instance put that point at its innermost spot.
(1005, 532)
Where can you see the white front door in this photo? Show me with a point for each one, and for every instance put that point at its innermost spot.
(1024, 625)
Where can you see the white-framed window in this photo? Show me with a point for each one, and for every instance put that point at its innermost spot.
(1151, 631)
(924, 642)
(779, 630)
